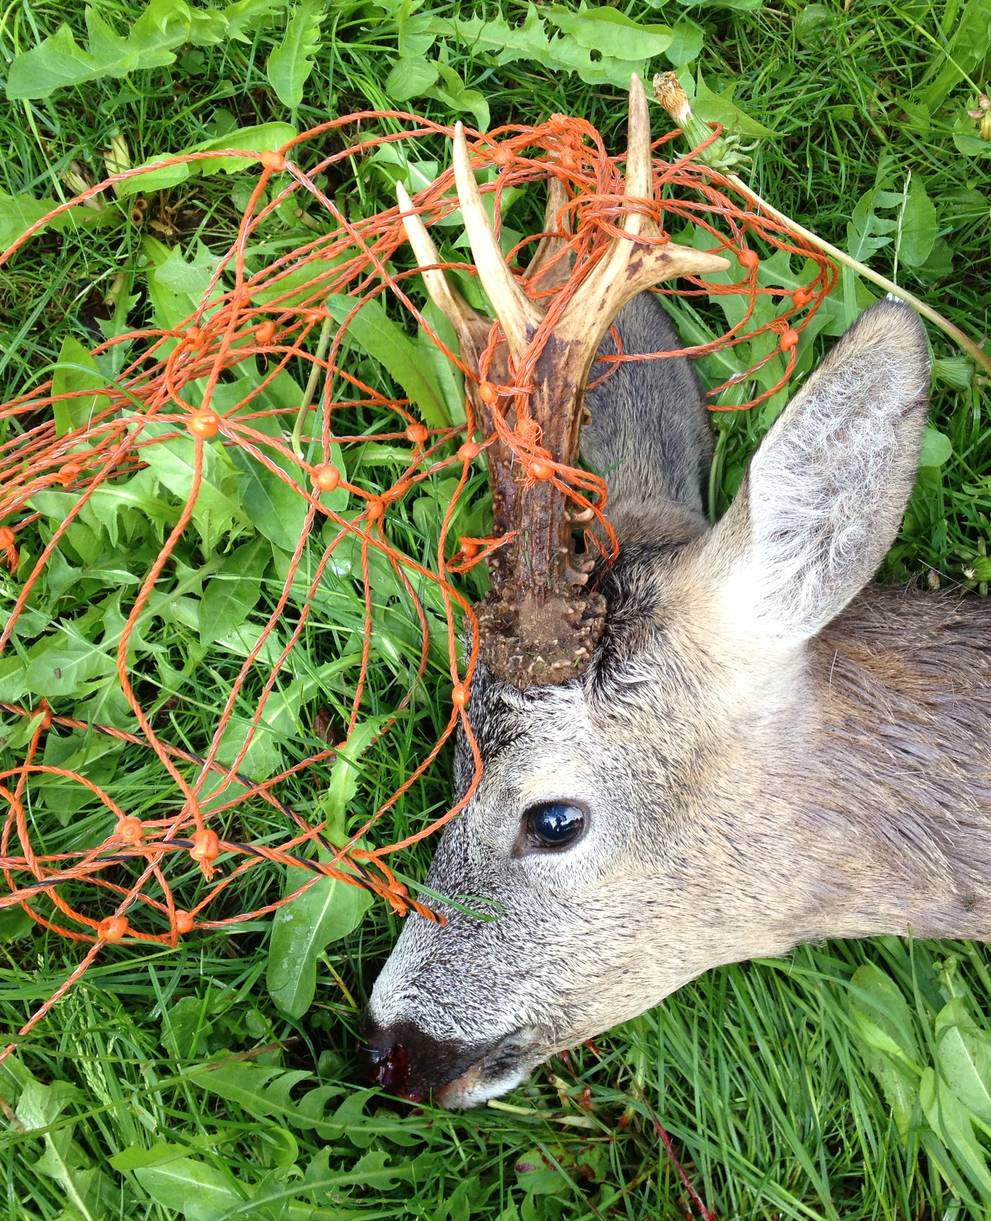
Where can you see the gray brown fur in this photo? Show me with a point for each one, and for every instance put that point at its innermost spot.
(768, 755)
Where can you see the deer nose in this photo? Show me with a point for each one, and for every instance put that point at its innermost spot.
(408, 1062)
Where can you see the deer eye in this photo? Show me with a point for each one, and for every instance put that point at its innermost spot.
(553, 824)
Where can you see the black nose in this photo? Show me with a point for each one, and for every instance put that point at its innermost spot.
(410, 1063)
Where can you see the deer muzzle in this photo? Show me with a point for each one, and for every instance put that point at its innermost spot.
(410, 1063)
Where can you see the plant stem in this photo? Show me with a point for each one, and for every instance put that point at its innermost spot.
(960, 338)
(671, 95)
(323, 343)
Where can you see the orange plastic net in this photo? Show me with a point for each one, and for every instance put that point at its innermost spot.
(156, 879)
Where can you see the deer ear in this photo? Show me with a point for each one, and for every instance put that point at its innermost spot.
(826, 491)
(649, 431)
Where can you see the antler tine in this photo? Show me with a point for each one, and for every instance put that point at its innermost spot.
(443, 294)
(517, 314)
(629, 268)
(547, 270)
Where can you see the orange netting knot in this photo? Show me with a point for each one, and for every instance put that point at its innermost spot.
(559, 125)
(375, 508)
(265, 331)
(801, 297)
(749, 259)
(325, 478)
(8, 547)
(459, 695)
(68, 473)
(113, 929)
(203, 424)
(488, 392)
(528, 433)
(788, 340)
(503, 154)
(205, 850)
(469, 451)
(272, 160)
(131, 830)
(183, 921)
(541, 470)
(417, 433)
(192, 337)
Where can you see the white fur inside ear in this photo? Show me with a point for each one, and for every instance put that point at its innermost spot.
(828, 486)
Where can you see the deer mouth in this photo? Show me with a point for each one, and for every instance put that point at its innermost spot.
(411, 1064)
(501, 1068)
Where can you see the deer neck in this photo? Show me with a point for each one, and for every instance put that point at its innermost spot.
(893, 782)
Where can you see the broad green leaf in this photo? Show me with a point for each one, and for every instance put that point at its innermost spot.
(302, 930)
(76, 373)
(85, 1188)
(955, 371)
(266, 1091)
(54, 63)
(40, 1105)
(535, 1173)
(138, 1157)
(291, 62)
(813, 24)
(264, 137)
(19, 212)
(66, 664)
(230, 596)
(740, 6)
(610, 32)
(720, 108)
(151, 42)
(936, 448)
(459, 98)
(217, 509)
(963, 1057)
(59, 60)
(686, 42)
(176, 285)
(190, 1188)
(386, 342)
(919, 224)
(449, 377)
(967, 139)
(243, 18)
(409, 78)
(967, 48)
(329, 910)
(558, 52)
(275, 509)
(14, 923)
(952, 1123)
(889, 1047)
(882, 1014)
(344, 778)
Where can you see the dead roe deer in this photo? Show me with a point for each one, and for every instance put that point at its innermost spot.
(754, 748)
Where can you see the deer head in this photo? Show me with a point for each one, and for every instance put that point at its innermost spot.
(660, 811)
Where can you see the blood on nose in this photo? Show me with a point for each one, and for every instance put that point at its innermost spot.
(391, 1070)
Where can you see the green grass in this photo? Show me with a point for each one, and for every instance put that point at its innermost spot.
(158, 1087)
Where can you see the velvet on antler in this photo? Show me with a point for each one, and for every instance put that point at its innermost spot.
(540, 622)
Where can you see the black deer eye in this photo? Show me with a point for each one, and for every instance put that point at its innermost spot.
(554, 824)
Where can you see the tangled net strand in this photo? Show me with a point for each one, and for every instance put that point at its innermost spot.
(175, 381)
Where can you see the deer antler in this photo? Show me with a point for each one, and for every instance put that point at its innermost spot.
(539, 624)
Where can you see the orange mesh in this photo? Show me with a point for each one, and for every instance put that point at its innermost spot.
(266, 314)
